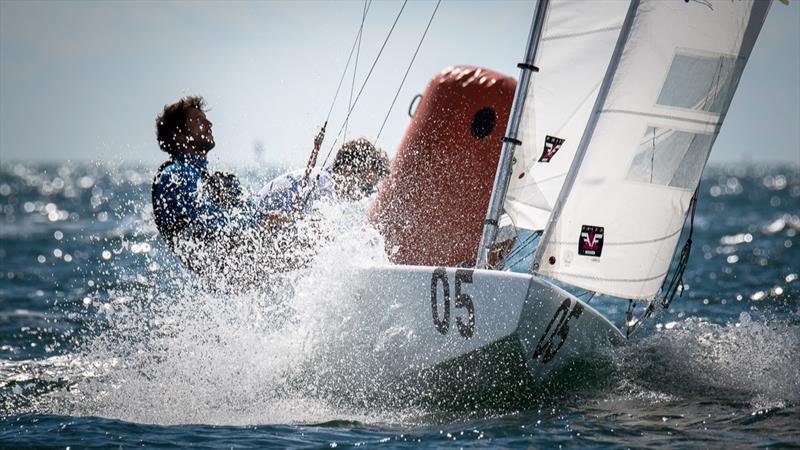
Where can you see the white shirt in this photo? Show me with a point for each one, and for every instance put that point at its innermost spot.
(280, 194)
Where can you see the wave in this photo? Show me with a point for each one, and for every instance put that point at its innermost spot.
(748, 362)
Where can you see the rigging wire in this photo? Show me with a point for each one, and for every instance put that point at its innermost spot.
(303, 193)
(653, 156)
(408, 69)
(349, 57)
(355, 67)
(366, 79)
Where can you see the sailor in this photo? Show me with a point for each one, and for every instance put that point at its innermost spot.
(193, 207)
(354, 174)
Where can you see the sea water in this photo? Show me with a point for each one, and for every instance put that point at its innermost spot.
(106, 340)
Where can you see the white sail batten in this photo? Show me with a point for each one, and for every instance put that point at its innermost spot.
(576, 45)
(670, 82)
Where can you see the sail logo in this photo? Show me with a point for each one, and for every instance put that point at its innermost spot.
(591, 241)
(552, 145)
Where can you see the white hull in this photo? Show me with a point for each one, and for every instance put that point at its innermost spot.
(420, 319)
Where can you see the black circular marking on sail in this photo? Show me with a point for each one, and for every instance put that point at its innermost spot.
(483, 122)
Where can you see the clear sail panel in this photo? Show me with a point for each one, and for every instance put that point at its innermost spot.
(644, 151)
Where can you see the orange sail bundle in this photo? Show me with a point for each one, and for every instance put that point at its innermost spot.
(431, 208)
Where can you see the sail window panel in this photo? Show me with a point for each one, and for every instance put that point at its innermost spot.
(699, 82)
(688, 174)
(671, 158)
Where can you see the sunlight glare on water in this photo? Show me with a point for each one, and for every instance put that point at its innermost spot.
(103, 331)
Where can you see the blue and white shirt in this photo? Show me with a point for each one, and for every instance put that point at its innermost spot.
(181, 205)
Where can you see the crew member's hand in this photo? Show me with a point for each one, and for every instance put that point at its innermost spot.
(318, 139)
(275, 219)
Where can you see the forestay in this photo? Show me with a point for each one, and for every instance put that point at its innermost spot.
(668, 87)
(577, 41)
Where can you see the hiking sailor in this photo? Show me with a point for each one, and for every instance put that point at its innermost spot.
(194, 207)
(354, 174)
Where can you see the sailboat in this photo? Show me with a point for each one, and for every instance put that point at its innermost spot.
(615, 113)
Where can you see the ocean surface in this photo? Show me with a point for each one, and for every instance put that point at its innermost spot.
(106, 340)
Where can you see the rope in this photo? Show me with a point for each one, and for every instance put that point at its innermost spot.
(396, 94)
(361, 90)
(302, 193)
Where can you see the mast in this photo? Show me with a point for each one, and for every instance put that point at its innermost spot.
(587, 133)
(510, 141)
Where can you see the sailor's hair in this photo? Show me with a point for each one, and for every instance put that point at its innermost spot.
(172, 121)
(360, 157)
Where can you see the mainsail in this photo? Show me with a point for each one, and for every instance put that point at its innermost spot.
(663, 98)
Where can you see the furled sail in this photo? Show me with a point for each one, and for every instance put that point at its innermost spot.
(670, 81)
(576, 44)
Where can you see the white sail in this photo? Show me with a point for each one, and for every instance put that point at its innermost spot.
(670, 82)
(577, 41)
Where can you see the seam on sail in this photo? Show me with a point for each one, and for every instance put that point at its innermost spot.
(608, 244)
(715, 123)
(623, 280)
(583, 33)
(539, 181)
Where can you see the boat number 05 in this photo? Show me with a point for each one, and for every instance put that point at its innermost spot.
(465, 327)
(547, 349)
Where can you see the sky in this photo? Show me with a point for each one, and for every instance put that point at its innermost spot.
(85, 80)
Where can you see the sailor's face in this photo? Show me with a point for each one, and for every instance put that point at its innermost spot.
(198, 130)
(369, 181)
(355, 185)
